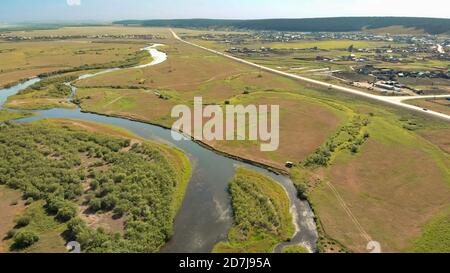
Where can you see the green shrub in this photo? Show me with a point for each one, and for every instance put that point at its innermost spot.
(11, 233)
(354, 149)
(95, 204)
(23, 221)
(66, 213)
(24, 239)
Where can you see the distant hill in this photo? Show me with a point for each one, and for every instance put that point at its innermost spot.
(336, 24)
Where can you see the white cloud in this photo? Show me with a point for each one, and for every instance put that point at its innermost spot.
(74, 2)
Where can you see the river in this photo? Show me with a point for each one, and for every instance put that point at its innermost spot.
(205, 216)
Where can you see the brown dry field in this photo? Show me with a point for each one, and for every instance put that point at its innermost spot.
(191, 72)
(37, 103)
(130, 103)
(8, 213)
(439, 105)
(440, 137)
(394, 186)
(22, 60)
(304, 126)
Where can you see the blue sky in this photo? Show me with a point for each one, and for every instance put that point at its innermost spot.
(106, 10)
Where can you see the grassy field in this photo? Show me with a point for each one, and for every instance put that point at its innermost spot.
(438, 105)
(7, 115)
(435, 238)
(393, 185)
(137, 94)
(46, 94)
(295, 249)
(11, 206)
(303, 120)
(22, 60)
(261, 213)
(49, 230)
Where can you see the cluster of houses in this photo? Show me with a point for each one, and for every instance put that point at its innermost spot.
(391, 74)
(244, 50)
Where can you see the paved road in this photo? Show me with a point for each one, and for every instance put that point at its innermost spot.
(397, 101)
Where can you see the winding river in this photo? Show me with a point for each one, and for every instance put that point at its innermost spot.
(205, 216)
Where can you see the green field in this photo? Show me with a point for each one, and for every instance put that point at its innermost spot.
(261, 214)
(22, 60)
(7, 115)
(436, 236)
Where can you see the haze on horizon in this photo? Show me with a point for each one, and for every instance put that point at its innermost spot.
(109, 10)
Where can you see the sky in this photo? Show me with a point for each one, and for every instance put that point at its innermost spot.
(109, 10)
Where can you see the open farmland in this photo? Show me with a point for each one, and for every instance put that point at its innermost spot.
(335, 221)
(25, 59)
(149, 95)
(391, 205)
(439, 105)
(370, 171)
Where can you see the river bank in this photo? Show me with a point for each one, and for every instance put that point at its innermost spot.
(205, 216)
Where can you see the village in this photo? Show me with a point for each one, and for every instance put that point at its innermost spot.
(381, 63)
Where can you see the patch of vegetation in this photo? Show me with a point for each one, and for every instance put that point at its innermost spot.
(7, 115)
(24, 239)
(295, 249)
(410, 124)
(37, 231)
(131, 61)
(53, 86)
(47, 93)
(261, 213)
(350, 137)
(52, 164)
(436, 236)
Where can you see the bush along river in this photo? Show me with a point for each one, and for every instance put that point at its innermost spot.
(205, 216)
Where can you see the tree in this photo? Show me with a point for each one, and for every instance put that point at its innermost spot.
(66, 213)
(75, 227)
(351, 48)
(95, 204)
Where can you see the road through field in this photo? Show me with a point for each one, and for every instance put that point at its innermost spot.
(397, 101)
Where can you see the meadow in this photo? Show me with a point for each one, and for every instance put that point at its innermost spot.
(7, 115)
(26, 59)
(150, 94)
(438, 105)
(46, 94)
(261, 214)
